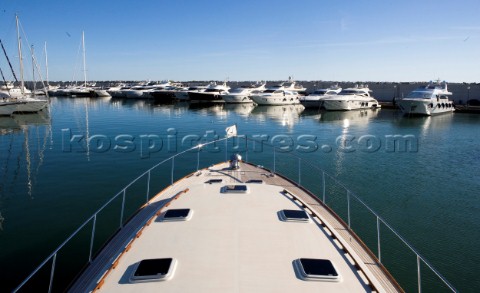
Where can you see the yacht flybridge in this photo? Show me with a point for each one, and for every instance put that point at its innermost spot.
(354, 98)
(428, 100)
(233, 227)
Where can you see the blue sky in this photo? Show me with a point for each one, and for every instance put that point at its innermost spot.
(251, 40)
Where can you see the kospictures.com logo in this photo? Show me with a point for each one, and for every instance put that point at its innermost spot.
(172, 142)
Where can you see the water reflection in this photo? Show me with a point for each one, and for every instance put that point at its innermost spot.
(243, 110)
(359, 117)
(208, 109)
(24, 140)
(287, 115)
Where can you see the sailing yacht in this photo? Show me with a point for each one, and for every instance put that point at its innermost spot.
(430, 99)
(27, 104)
(354, 98)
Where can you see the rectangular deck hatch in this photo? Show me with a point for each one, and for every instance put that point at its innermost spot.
(157, 269)
(316, 269)
(294, 215)
(214, 181)
(177, 215)
(235, 189)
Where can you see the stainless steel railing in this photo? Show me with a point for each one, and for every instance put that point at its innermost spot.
(276, 167)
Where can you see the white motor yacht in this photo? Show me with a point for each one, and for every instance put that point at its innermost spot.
(315, 99)
(428, 100)
(242, 94)
(276, 96)
(354, 98)
(141, 91)
(181, 94)
(212, 94)
(234, 226)
(13, 91)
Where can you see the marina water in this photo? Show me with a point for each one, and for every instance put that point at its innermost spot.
(419, 173)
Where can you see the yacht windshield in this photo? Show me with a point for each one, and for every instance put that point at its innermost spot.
(349, 92)
(320, 92)
(419, 95)
(239, 90)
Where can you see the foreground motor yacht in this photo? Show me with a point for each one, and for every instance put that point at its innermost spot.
(242, 94)
(428, 100)
(354, 98)
(315, 99)
(233, 226)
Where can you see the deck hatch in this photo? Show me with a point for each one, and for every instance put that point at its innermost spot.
(294, 215)
(214, 181)
(235, 189)
(255, 181)
(177, 215)
(316, 269)
(157, 269)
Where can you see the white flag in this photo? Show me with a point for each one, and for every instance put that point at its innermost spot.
(231, 131)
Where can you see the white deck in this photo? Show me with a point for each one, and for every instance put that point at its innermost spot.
(233, 243)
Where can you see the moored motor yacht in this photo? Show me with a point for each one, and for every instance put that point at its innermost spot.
(276, 96)
(315, 99)
(181, 93)
(212, 94)
(242, 94)
(430, 99)
(248, 227)
(354, 98)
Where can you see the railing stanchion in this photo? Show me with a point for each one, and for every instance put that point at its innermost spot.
(148, 186)
(299, 172)
(274, 154)
(419, 276)
(198, 159)
(52, 272)
(92, 238)
(226, 150)
(348, 208)
(246, 149)
(173, 167)
(378, 240)
(123, 207)
(323, 183)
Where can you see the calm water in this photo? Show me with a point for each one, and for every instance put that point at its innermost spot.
(51, 182)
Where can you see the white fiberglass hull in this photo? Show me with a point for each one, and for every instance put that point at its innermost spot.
(275, 100)
(7, 108)
(349, 104)
(31, 105)
(425, 107)
(136, 94)
(237, 99)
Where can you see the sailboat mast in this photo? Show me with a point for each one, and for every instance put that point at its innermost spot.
(22, 85)
(84, 66)
(46, 64)
(33, 70)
